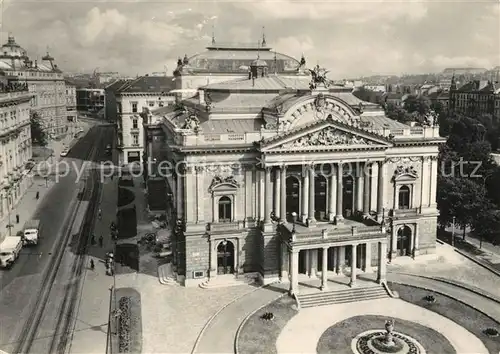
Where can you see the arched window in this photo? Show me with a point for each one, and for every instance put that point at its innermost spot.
(225, 209)
(404, 197)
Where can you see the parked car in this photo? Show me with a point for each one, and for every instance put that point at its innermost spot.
(64, 152)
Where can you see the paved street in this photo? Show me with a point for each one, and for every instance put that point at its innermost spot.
(20, 284)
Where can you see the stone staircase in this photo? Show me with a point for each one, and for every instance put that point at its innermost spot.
(222, 281)
(342, 296)
(166, 275)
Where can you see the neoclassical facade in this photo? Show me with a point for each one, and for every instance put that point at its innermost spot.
(45, 81)
(281, 177)
(15, 147)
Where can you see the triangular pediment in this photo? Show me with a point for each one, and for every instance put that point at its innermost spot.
(327, 135)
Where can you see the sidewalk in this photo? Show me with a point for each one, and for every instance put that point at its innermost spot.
(486, 251)
(91, 327)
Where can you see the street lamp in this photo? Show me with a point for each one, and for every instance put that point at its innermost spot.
(453, 232)
(9, 203)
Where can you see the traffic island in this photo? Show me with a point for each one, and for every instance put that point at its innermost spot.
(464, 315)
(127, 334)
(125, 196)
(259, 334)
(366, 334)
(127, 222)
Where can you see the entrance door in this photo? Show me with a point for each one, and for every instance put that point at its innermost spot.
(347, 196)
(225, 257)
(292, 197)
(404, 238)
(320, 198)
(302, 262)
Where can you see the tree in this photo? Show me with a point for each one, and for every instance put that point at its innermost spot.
(38, 135)
(419, 104)
(397, 113)
(487, 227)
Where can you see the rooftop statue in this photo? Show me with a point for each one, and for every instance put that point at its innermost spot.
(318, 77)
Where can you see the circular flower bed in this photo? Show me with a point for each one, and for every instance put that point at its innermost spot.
(430, 299)
(268, 316)
(491, 332)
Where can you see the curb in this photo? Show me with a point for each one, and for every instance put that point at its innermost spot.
(442, 294)
(472, 289)
(245, 320)
(472, 258)
(210, 320)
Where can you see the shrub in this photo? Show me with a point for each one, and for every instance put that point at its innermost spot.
(491, 332)
(430, 298)
(268, 316)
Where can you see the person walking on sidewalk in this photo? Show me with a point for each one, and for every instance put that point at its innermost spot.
(92, 240)
(101, 241)
(92, 265)
(37, 195)
(100, 214)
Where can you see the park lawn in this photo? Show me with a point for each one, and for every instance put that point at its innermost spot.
(469, 318)
(259, 336)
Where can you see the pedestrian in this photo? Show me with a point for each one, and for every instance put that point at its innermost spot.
(100, 214)
(17, 218)
(92, 240)
(37, 195)
(101, 241)
(92, 265)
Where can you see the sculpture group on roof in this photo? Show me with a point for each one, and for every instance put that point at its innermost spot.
(318, 77)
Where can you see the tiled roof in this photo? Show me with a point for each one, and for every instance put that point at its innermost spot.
(271, 83)
(149, 84)
(232, 125)
(116, 85)
(243, 100)
(477, 86)
(381, 122)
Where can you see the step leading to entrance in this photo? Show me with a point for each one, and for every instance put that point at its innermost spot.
(322, 298)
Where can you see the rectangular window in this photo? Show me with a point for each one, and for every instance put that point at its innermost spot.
(151, 103)
(135, 139)
(134, 107)
(134, 124)
(160, 104)
(119, 107)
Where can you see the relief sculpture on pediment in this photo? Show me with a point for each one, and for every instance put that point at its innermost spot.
(326, 137)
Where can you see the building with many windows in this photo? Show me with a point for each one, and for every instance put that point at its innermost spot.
(44, 79)
(475, 98)
(90, 100)
(15, 148)
(72, 113)
(132, 98)
(284, 178)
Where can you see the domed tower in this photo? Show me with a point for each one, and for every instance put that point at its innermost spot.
(14, 53)
(258, 68)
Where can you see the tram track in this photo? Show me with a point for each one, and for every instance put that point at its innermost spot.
(89, 190)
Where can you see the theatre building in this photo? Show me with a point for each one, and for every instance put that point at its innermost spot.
(283, 178)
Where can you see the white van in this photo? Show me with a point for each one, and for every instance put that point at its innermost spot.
(30, 232)
(9, 250)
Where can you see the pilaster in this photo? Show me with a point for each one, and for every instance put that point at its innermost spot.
(200, 195)
(189, 195)
(305, 196)
(434, 171)
(340, 189)
(332, 200)
(277, 192)
(425, 186)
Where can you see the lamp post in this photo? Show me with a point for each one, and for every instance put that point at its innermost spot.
(9, 203)
(453, 232)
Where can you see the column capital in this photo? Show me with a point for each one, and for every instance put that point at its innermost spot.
(199, 169)
(283, 167)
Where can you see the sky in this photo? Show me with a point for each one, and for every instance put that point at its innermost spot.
(349, 38)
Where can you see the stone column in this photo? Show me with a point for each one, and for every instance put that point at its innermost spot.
(277, 190)
(353, 266)
(434, 171)
(314, 262)
(179, 197)
(415, 240)
(189, 195)
(324, 271)
(305, 196)
(332, 198)
(311, 219)
(213, 260)
(380, 191)
(268, 197)
(340, 173)
(294, 273)
(359, 188)
(200, 197)
(368, 257)
(366, 189)
(424, 186)
(382, 269)
(262, 194)
(283, 193)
